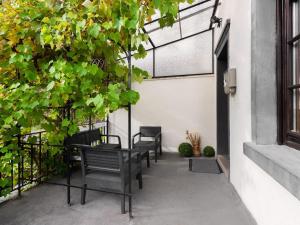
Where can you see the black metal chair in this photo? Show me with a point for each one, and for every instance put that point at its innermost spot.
(150, 138)
(109, 171)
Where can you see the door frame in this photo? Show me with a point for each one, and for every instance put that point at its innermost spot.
(223, 43)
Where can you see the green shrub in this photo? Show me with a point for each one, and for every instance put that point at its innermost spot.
(185, 150)
(209, 151)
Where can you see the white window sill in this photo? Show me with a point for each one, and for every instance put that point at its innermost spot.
(280, 162)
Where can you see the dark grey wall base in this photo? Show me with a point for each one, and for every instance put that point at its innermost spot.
(204, 165)
(280, 162)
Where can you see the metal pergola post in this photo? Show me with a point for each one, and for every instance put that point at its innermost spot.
(129, 128)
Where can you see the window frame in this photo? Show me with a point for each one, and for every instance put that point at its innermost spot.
(285, 40)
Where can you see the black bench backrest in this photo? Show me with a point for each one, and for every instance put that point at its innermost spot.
(93, 137)
(88, 137)
(147, 131)
(104, 160)
(78, 138)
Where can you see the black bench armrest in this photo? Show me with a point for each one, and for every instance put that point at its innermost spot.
(134, 136)
(80, 146)
(157, 137)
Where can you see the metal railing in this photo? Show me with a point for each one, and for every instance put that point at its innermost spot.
(35, 163)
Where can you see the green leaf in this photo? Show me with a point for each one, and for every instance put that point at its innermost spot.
(97, 101)
(30, 75)
(14, 86)
(115, 37)
(4, 182)
(33, 104)
(142, 53)
(73, 129)
(93, 69)
(156, 3)
(52, 70)
(8, 120)
(139, 75)
(94, 30)
(107, 25)
(50, 86)
(119, 23)
(65, 123)
(130, 97)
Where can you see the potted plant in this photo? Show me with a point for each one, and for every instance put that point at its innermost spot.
(195, 140)
(185, 149)
(209, 151)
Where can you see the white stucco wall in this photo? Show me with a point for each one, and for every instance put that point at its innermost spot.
(176, 104)
(267, 200)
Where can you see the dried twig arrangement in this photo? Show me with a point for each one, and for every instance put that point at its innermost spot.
(194, 138)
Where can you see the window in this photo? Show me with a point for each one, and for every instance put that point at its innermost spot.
(289, 72)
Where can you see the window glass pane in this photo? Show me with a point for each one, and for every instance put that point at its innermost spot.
(189, 56)
(165, 35)
(295, 117)
(296, 14)
(296, 64)
(146, 63)
(147, 45)
(152, 26)
(195, 22)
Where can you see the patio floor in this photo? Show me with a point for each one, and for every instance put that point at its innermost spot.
(171, 196)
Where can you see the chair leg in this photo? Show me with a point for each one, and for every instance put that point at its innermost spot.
(83, 194)
(160, 148)
(156, 155)
(68, 186)
(72, 168)
(123, 199)
(140, 178)
(148, 159)
(130, 207)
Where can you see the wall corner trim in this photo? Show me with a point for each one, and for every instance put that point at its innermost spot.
(223, 38)
(263, 72)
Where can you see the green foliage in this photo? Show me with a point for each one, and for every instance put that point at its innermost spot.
(209, 151)
(185, 149)
(46, 53)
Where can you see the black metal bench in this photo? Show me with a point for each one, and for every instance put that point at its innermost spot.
(91, 138)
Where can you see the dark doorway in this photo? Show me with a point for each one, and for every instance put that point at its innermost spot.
(223, 124)
(222, 104)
